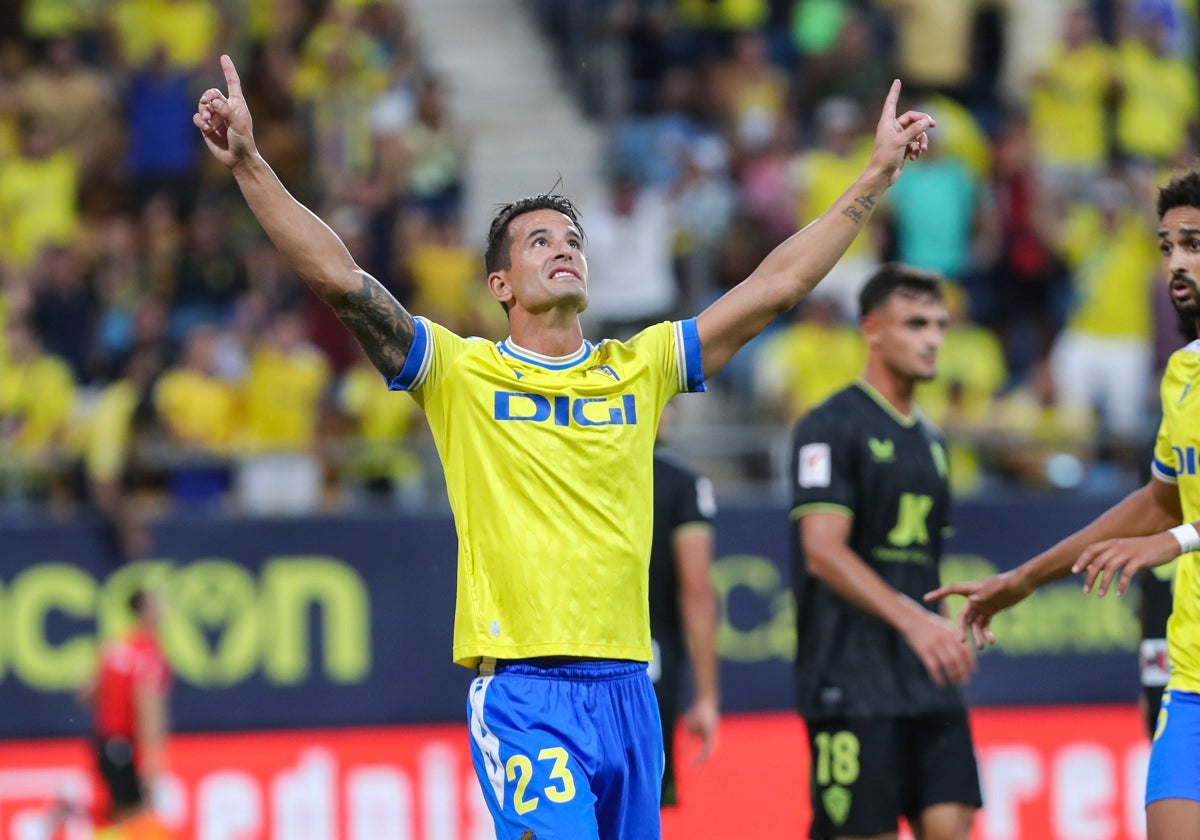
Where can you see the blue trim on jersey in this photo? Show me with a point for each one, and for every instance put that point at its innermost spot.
(1164, 472)
(693, 365)
(1174, 771)
(416, 363)
(575, 359)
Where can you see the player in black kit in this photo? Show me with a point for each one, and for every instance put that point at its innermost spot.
(878, 672)
(683, 607)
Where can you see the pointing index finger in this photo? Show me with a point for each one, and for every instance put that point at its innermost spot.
(232, 82)
(893, 98)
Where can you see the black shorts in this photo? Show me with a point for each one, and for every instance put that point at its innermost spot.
(116, 765)
(868, 772)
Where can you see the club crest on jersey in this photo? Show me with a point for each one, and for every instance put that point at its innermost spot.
(563, 410)
(882, 450)
(606, 370)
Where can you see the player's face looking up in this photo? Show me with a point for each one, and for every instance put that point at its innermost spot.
(1179, 242)
(547, 267)
(906, 333)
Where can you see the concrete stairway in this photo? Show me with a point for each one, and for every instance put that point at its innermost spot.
(505, 89)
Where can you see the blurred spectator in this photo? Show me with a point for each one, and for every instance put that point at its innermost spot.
(64, 309)
(380, 461)
(180, 33)
(1037, 441)
(447, 286)
(801, 364)
(924, 67)
(278, 471)
(162, 147)
(435, 151)
(1027, 286)
(340, 74)
(38, 196)
(971, 373)
(934, 209)
(655, 146)
(77, 104)
(122, 418)
(1102, 359)
(752, 92)
(765, 190)
(1032, 29)
(1068, 105)
(705, 201)
(632, 280)
(208, 274)
(120, 287)
(200, 417)
(50, 19)
(855, 68)
(37, 396)
(1158, 96)
(819, 175)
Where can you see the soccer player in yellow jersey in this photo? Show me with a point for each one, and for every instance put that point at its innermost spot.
(546, 440)
(1149, 528)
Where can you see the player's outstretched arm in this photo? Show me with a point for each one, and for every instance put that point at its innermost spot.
(693, 548)
(1146, 511)
(792, 270)
(382, 326)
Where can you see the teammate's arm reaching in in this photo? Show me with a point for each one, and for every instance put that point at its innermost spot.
(376, 319)
(1148, 510)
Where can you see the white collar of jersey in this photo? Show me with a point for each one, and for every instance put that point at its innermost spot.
(510, 348)
(1193, 345)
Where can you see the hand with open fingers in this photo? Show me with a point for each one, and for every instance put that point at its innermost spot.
(985, 598)
(225, 119)
(1103, 561)
(702, 721)
(937, 644)
(899, 138)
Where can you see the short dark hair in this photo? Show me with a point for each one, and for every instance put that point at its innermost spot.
(1180, 191)
(896, 278)
(498, 256)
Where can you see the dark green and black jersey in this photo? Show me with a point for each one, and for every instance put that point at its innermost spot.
(856, 454)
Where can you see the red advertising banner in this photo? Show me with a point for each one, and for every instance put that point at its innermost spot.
(1055, 773)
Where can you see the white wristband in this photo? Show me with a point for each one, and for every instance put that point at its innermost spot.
(1187, 537)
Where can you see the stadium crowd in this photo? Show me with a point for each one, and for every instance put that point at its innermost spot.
(154, 345)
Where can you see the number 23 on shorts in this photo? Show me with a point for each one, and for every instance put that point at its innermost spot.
(527, 794)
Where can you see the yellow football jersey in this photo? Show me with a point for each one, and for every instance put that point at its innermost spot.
(549, 471)
(1175, 462)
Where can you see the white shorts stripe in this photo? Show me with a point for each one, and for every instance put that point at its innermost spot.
(489, 744)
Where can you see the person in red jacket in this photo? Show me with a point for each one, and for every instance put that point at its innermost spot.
(129, 703)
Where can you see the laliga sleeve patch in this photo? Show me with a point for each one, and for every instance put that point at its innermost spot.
(815, 467)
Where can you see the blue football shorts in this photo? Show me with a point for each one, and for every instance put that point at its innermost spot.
(1174, 771)
(567, 750)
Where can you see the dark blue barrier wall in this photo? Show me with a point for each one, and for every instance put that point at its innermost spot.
(347, 620)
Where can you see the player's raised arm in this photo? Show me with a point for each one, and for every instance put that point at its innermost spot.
(792, 270)
(382, 326)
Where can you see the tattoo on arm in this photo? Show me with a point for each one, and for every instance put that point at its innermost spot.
(381, 325)
(866, 201)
